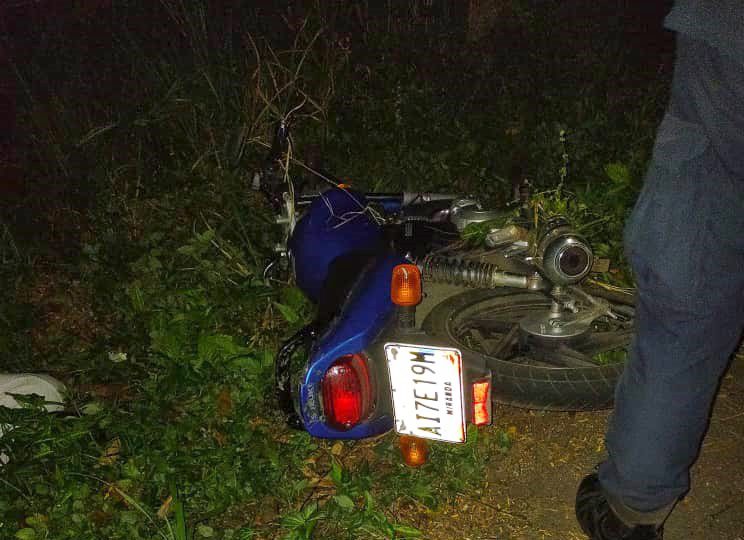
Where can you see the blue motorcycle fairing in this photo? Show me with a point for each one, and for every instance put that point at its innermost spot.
(337, 223)
(361, 320)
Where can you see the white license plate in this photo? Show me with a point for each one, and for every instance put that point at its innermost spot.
(426, 386)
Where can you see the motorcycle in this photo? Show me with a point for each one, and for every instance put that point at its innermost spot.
(518, 320)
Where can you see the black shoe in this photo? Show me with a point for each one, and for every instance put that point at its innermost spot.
(598, 520)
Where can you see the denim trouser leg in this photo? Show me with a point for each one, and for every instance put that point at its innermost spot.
(685, 241)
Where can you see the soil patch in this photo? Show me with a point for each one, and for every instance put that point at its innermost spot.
(530, 492)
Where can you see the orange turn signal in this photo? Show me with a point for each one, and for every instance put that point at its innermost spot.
(413, 450)
(405, 287)
(481, 403)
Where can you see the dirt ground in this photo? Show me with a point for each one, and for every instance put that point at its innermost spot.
(530, 491)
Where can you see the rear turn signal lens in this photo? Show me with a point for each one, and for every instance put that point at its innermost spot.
(405, 286)
(347, 391)
(413, 450)
(481, 403)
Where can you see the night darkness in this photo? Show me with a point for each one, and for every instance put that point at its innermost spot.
(135, 253)
(58, 35)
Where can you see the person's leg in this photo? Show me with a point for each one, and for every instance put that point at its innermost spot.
(684, 338)
(686, 246)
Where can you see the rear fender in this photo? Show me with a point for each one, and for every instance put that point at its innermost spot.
(364, 315)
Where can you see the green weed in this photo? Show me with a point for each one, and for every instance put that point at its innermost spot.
(173, 245)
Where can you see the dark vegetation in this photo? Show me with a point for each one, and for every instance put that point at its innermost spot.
(132, 247)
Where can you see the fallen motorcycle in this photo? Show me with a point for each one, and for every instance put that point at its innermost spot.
(517, 320)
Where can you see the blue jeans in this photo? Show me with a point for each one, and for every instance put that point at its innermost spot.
(685, 242)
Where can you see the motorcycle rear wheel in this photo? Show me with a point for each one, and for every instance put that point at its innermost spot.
(569, 374)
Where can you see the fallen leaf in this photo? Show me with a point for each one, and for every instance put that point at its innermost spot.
(101, 518)
(326, 482)
(165, 508)
(220, 437)
(224, 403)
(111, 454)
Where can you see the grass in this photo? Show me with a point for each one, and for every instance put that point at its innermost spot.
(145, 293)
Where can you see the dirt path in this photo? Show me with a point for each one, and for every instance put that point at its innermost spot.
(531, 490)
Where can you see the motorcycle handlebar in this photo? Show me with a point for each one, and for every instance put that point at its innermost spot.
(401, 199)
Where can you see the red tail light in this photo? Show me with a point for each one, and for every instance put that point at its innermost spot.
(481, 403)
(347, 391)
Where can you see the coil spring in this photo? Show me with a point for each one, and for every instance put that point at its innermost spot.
(457, 271)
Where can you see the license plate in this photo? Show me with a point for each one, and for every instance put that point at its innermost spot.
(426, 386)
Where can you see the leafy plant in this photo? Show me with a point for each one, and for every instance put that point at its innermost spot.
(149, 125)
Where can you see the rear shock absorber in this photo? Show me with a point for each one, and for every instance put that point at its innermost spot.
(475, 274)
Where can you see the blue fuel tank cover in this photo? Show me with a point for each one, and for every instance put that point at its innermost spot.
(337, 223)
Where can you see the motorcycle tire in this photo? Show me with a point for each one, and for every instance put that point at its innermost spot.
(528, 382)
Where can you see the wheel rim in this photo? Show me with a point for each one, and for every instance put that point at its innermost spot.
(491, 326)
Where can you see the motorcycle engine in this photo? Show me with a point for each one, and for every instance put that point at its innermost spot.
(563, 256)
